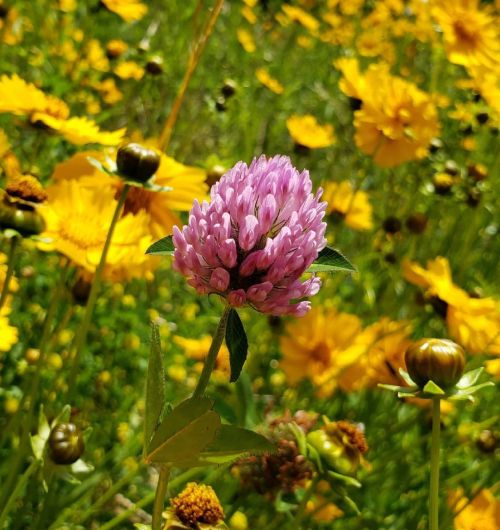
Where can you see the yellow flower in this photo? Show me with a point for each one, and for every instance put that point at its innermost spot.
(116, 47)
(21, 98)
(482, 513)
(493, 367)
(245, 38)
(8, 334)
(95, 57)
(4, 144)
(473, 322)
(109, 91)
(67, 5)
(129, 70)
(319, 346)
(470, 34)
(306, 131)
(297, 14)
(81, 131)
(272, 84)
(386, 342)
(187, 183)
(78, 220)
(353, 207)
(396, 122)
(12, 27)
(128, 10)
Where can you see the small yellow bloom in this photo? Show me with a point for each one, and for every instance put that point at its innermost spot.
(353, 206)
(306, 131)
(128, 10)
(129, 70)
(482, 513)
(11, 405)
(245, 38)
(296, 14)
(272, 84)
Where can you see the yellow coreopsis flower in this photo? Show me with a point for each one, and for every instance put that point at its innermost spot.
(128, 10)
(77, 222)
(246, 40)
(482, 513)
(197, 350)
(353, 206)
(8, 334)
(473, 322)
(186, 183)
(471, 33)
(306, 131)
(269, 82)
(386, 343)
(319, 346)
(396, 122)
(129, 70)
(301, 16)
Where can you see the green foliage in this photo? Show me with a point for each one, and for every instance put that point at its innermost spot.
(237, 344)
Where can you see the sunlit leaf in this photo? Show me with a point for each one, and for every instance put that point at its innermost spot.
(184, 432)
(162, 247)
(331, 260)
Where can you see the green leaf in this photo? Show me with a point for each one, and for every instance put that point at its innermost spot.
(331, 260)
(237, 344)
(400, 389)
(232, 442)
(431, 388)
(184, 432)
(155, 387)
(470, 378)
(163, 247)
(300, 436)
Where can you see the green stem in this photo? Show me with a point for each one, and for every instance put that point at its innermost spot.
(161, 492)
(10, 269)
(301, 510)
(17, 491)
(434, 485)
(81, 335)
(211, 357)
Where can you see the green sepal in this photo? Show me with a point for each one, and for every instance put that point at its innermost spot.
(184, 432)
(399, 389)
(300, 436)
(162, 247)
(405, 376)
(470, 378)
(155, 388)
(237, 344)
(314, 456)
(331, 260)
(466, 393)
(433, 389)
(347, 480)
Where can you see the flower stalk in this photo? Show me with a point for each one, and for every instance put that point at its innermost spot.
(161, 491)
(10, 269)
(211, 357)
(434, 482)
(80, 337)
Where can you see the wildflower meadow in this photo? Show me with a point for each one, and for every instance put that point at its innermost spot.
(249, 264)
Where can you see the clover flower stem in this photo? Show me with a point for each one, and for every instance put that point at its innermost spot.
(80, 337)
(434, 484)
(193, 61)
(161, 491)
(211, 357)
(10, 269)
(21, 483)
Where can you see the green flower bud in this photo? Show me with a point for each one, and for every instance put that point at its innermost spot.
(438, 360)
(65, 444)
(20, 217)
(136, 162)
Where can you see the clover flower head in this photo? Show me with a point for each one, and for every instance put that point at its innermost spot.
(261, 230)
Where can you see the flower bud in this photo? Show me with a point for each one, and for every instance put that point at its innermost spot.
(65, 444)
(229, 88)
(438, 360)
(137, 162)
(487, 441)
(20, 217)
(391, 225)
(154, 66)
(416, 223)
